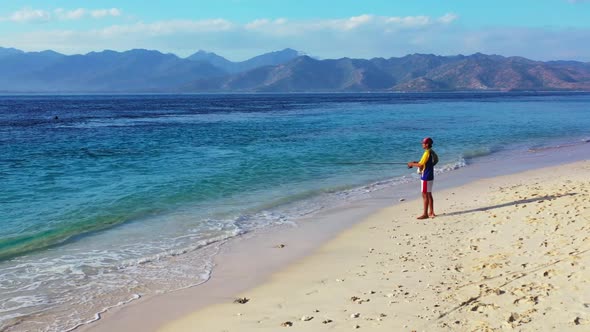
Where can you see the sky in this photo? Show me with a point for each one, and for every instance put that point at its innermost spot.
(326, 29)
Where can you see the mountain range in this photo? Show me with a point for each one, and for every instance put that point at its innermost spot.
(149, 71)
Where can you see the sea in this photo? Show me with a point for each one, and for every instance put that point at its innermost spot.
(105, 199)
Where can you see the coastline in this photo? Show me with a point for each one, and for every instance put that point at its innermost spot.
(242, 274)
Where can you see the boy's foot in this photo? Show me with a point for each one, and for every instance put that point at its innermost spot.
(432, 215)
(423, 217)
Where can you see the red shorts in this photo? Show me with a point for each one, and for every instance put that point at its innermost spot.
(426, 186)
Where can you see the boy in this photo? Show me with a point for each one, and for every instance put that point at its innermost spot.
(426, 165)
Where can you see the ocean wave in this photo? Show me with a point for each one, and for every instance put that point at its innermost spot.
(451, 166)
(105, 287)
(20, 302)
(180, 251)
(478, 152)
(14, 246)
(98, 315)
(580, 141)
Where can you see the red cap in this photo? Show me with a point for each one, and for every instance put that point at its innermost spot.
(427, 140)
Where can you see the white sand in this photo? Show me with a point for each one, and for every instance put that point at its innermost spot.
(506, 253)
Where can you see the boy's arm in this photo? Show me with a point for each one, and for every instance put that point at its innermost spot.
(413, 164)
(422, 161)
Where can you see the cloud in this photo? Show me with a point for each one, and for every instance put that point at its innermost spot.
(410, 21)
(261, 23)
(75, 14)
(105, 12)
(365, 22)
(448, 18)
(356, 21)
(362, 36)
(30, 15)
(165, 28)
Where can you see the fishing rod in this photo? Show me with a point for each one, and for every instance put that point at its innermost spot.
(372, 163)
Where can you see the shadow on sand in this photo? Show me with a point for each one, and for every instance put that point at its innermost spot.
(522, 201)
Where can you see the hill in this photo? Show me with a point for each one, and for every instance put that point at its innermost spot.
(282, 71)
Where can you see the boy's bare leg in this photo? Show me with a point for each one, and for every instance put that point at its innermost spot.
(431, 206)
(425, 203)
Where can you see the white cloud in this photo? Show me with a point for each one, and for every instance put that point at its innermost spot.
(105, 12)
(30, 15)
(75, 14)
(357, 21)
(166, 28)
(410, 21)
(365, 22)
(257, 24)
(362, 36)
(448, 18)
(265, 23)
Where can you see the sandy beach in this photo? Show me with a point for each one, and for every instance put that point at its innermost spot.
(504, 253)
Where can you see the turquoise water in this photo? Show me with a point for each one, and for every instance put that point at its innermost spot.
(96, 188)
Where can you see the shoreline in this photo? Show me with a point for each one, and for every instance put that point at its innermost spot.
(237, 269)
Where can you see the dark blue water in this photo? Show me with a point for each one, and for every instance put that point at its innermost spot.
(94, 184)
